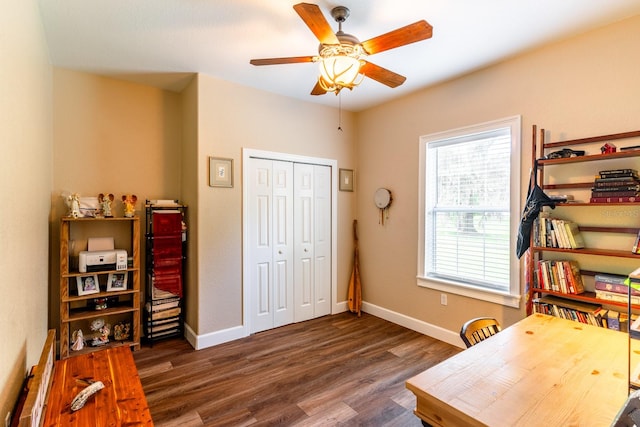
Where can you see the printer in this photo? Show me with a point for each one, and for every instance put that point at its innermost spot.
(90, 261)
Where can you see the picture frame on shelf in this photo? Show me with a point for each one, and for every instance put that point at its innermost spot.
(88, 284)
(220, 172)
(117, 281)
(346, 179)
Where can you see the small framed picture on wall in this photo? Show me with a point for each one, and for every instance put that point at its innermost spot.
(220, 172)
(346, 180)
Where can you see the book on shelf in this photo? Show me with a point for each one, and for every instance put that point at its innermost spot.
(620, 193)
(617, 297)
(163, 327)
(575, 236)
(614, 284)
(557, 233)
(636, 244)
(617, 188)
(602, 316)
(172, 312)
(159, 294)
(578, 311)
(617, 279)
(617, 321)
(621, 199)
(618, 173)
(613, 320)
(560, 276)
(615, 182)
(159, 305)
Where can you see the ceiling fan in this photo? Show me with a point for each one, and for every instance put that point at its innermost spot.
(342, 56)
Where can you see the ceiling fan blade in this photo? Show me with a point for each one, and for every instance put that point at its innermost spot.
(275, 61)
(317, 23)
(411, 33)
(382, 75)
(318, 90)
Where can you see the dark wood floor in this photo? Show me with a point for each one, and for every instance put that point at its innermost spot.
(333, 371)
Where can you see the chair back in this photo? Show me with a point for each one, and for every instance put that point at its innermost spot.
(479, 329)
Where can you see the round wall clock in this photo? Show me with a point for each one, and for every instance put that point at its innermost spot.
(382, 198)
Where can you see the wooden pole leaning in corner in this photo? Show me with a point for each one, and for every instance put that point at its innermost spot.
(354, 298)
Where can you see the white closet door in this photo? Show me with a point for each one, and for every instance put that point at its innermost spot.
(322, 241)
(312, 233)
(303, 234)
(283, 243)
(270, 237)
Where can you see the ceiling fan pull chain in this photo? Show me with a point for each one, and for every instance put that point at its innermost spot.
(340, 112)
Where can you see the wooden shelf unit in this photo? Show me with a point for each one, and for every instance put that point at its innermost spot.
(77, 309)
(632, 227)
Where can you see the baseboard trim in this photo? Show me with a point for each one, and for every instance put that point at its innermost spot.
(199, 342)
(425, 328)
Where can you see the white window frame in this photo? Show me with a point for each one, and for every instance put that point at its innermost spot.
(513, 296)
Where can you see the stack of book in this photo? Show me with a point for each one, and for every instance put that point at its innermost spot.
(616, 186)
(163, 316)
(560, 276)
(613, 287)
(556, 233)
(582, 312)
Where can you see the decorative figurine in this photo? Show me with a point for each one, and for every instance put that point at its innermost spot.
(129, 201)
(105, 201)
(103, 329)
(121, 331)
(73, 202)
(78, 340)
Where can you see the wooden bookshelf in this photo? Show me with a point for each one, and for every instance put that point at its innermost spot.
(78, 311)
(622, 259)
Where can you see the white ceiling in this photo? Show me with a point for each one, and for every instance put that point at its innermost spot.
(155, 41)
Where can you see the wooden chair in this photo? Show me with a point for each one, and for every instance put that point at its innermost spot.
(479, 329)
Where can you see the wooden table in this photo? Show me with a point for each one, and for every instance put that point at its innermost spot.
(121, 402)
(542, 371)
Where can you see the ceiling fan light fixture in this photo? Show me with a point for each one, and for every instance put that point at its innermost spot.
(340, 67)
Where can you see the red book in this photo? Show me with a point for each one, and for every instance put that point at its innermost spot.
(625, 199)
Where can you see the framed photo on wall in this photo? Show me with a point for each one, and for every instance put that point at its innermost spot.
(88, 285)
(346, 179)
(220, 172)
(117, 281)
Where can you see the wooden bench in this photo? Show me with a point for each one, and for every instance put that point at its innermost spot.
(38, 385)
(54, 385)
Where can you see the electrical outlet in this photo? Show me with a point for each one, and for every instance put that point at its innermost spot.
(7, 420)
(443, 299)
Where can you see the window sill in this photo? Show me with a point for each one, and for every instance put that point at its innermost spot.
(470, 292)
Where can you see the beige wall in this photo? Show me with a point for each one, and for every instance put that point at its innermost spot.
(111, 136)
(189, 193)
(233, 117)
(25, 180)
(585, 86)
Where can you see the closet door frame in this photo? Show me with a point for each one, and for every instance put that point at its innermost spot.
(247, 154)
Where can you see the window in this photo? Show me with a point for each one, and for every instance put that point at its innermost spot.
(469, 202)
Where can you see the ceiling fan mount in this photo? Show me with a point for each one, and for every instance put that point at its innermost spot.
(340, 13)
(341, 55)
